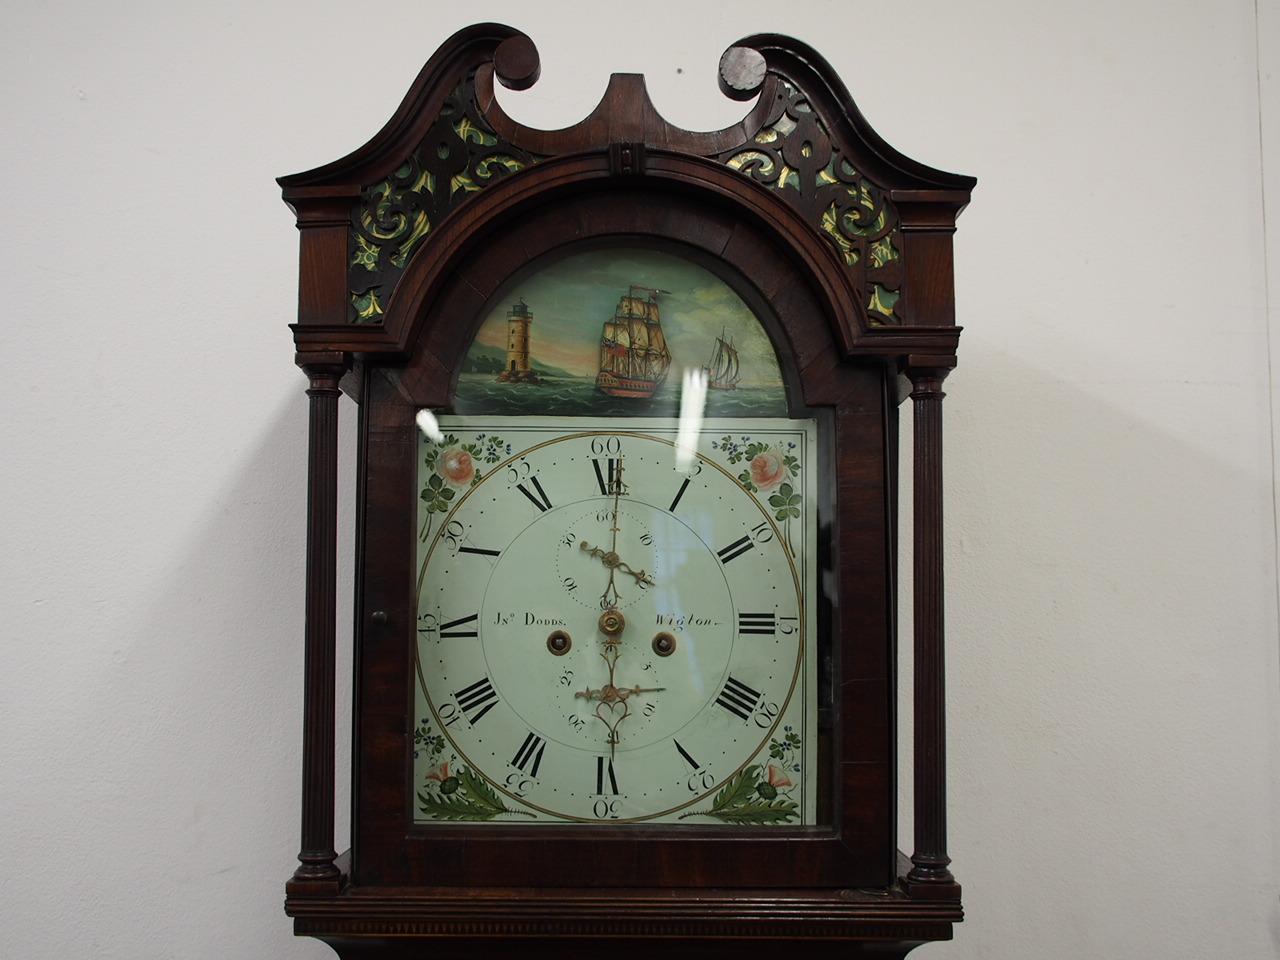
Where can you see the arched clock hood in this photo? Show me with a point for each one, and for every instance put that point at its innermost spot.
(847, 245)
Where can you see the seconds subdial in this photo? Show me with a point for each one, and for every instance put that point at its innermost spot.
(585, 561)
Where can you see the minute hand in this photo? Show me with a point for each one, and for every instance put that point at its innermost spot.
(614, 562)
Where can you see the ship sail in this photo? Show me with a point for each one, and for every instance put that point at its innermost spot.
(633, 349)
(723, 371)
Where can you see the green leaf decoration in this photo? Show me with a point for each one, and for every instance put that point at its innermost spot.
(435, 482)
(454, 807)
(480, 792)
(739, 803)
(738, 790)
(474, 800)
(759, 811)
(785, 491)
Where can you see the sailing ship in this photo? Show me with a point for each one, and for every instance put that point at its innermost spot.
(722, 371)
(633, 349)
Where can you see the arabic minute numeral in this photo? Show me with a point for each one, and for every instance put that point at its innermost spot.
(449, 714)
(765, 716)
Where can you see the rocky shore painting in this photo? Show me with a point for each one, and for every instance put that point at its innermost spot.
(611, 332)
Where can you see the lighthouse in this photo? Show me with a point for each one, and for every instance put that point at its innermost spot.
(517, 369)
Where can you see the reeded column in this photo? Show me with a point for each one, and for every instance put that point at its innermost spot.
(930, 860)
(316, 858)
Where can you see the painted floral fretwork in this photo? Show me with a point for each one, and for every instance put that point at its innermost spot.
(459, 156)
(794, 155)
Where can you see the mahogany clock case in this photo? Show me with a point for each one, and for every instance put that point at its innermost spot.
(842, 247)
(857, 441)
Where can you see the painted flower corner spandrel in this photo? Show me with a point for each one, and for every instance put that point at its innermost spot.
(450, 790)
(452, 466)
(760, 793)
(771, 471)
(459, 156)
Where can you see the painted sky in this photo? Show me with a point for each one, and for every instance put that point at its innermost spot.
(571, 299)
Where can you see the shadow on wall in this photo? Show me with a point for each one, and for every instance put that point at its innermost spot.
(218, 701)
(1108, 649)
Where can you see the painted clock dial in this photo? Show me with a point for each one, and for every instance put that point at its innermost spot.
(614, 623)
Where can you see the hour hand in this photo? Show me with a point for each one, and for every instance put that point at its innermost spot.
(611, 560)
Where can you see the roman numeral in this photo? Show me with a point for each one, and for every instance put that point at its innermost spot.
(607, 478)
(480, 697)
(735, 549)
(762, 623)
(540, 499)
(530, 751)
(738, 698)
(604, 765)
(448, 629)
(679, 493)
(685, 753)
(479, 551)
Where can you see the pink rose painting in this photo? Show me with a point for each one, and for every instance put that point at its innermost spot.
(777, 779)
(768, 470)
(457, 467)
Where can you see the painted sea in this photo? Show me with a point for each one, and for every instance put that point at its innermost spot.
(481, 393)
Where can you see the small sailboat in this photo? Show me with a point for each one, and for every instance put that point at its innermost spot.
(633, 349)
(723, 372)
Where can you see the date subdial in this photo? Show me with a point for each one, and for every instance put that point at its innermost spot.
(611, 700)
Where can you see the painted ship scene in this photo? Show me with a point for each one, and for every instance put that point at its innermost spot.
(610, 333)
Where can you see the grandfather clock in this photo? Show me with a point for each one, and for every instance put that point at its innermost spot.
(627, 521)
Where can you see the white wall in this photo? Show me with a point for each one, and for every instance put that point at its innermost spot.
(1114, 685)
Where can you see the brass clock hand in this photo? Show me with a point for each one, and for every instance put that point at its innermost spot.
(611, 560)
(609, 599)
(612, 694)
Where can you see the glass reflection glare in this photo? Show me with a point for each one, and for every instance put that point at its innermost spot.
(693, 405)
(428, 424)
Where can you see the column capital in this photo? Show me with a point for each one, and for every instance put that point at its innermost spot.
(926, 372)
(324, 367)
